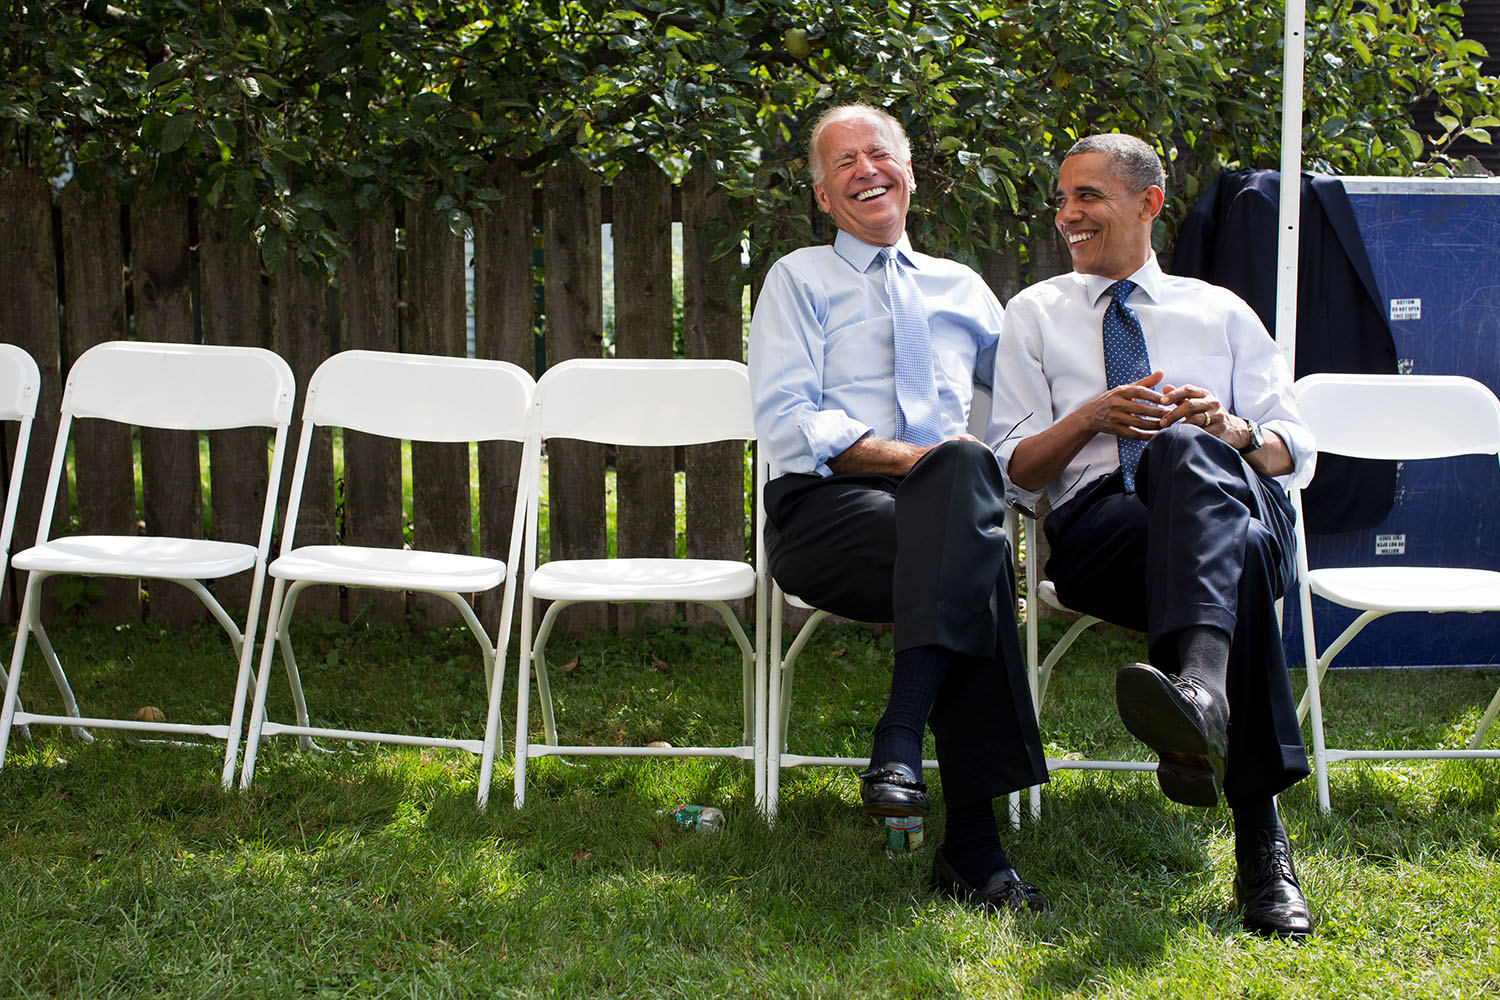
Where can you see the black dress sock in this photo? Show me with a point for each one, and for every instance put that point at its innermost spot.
(915, 679)
(1251, 819)
(971, 842)
(1203, 656)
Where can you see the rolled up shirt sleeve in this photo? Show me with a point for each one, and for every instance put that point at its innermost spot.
(786, 367)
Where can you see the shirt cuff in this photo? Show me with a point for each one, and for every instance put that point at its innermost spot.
(829, 433)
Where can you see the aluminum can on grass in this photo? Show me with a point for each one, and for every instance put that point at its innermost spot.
(903, 835)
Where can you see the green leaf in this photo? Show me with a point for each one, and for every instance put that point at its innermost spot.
(175, 130)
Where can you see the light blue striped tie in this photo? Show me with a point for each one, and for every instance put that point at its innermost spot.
(916, 389)
(1125, 360)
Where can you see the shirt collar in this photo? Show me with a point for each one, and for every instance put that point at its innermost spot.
(861, 255)
(1148, 279)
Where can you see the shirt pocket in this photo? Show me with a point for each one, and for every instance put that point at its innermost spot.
(858, 352)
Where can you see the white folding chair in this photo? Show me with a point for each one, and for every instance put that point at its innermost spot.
(779, 696)
(649, 403)
(1405, 417)
(1041, 591)
(418, 398)
(177, 387)
(20, 382)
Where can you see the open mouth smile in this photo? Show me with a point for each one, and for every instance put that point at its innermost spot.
(874, 192)
(1076, 238)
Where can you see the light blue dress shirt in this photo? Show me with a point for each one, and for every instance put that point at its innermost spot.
(822, 355)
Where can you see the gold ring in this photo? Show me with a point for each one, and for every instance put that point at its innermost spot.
(1205, 420)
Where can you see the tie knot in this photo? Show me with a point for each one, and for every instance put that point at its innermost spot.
(1121, 290)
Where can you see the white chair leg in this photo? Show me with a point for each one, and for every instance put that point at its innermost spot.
(70, 704)
(1477, 740)
(13, 682)
(275, 621)
(1014, 802)
(289, 661)
(539, 664)
(23, 732)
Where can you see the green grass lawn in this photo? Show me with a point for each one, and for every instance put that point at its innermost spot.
(368, 872)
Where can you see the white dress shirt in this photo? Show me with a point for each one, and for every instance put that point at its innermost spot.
(1050, 361)
(822, 355)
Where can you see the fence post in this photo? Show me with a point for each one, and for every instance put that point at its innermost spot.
(368, 299)
(504, 313)
(435, 324)
(646, 513)
(713, 320)
(170, 472)
(574, 296)
(103, 463)
(299, 333)
(230, 289)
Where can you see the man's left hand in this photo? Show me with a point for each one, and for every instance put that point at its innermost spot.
(1202, 408)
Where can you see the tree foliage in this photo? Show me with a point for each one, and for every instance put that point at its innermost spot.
(303, 117)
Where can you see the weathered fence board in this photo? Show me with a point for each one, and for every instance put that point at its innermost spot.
(504, 309)
(646, 521)
(574, 298)
(28, 318)
(368, 304)
(300, 334)
(712, 318)
(94, 312)
(160, 281)
(435, 320)
(230, 302)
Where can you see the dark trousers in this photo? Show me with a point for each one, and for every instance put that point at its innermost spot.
(928, 552)
(1206, 540)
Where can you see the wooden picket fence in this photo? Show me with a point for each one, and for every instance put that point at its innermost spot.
(72, 275)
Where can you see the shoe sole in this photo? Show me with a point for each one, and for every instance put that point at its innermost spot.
(1151, 714)
(883, 809)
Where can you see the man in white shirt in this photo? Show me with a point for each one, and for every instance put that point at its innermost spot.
(1158, 418)
(863, 357)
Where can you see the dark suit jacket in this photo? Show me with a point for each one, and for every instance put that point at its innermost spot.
(1229, 238)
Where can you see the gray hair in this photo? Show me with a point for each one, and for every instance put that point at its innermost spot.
(846, 112)
(1134, 162)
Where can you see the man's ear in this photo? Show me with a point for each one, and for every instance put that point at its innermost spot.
(822, 197)
(911, 177)
(1152, 200)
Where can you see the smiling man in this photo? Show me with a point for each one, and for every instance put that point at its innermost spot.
(863, 358)
(1157, 415)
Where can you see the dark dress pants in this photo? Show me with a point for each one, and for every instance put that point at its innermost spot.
(1206, 540)
(928, 552)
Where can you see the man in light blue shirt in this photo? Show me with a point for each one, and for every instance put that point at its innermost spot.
(863, 359)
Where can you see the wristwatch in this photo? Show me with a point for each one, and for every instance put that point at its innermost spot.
(1257, 439)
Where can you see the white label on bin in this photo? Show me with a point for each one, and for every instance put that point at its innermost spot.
(1406, 309)
(1405, 366)
(1390, 545)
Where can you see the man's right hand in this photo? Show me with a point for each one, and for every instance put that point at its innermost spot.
(1132, 410)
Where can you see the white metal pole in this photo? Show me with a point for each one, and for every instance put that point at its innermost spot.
(1291, 180)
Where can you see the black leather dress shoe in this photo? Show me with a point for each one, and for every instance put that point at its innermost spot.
(1004, 890)
(1269, 895)
(1186, 726)
(893, 789)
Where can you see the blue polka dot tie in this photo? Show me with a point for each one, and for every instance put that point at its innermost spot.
(916, 388)
(1125, 360)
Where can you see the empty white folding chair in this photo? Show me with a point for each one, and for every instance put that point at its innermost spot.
(177, 387)
(783, 666)
(1404, 417)
(20, 382)
(648, 403)
(417, 398)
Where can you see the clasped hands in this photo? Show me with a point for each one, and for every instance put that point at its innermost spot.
(1139, 409)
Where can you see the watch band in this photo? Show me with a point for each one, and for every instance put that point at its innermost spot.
(1257, 439)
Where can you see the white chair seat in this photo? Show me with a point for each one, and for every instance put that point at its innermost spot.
(643, 580)
(1408, 588)
(393, 569)
(132, 555)
(1047, 591)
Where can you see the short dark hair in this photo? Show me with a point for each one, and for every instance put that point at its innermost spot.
(1135, 162)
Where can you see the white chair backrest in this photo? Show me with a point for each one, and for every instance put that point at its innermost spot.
(19, 383)
(646, 402)
(421, 397)
(1400, 416)
(180, 386)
